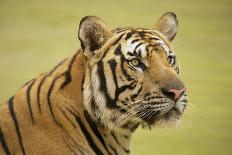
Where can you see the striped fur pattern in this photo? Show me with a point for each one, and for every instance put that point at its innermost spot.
(92, 102)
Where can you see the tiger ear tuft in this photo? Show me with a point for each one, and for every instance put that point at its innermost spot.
(92, 34)
(167, 25)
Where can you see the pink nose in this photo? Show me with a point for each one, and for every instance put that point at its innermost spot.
(177, 93)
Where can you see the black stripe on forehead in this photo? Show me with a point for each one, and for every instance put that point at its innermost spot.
(128, 36)
(142, 34)
(138, 52)
(135, 40)
(148, 36)
(137, 46)
(114, 43)
(119, 38)
(138, 31)
(155, 38)
(135, 52)
(147, 33)
(118, 52)
(119, 30)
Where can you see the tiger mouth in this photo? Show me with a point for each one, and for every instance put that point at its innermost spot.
(156, 116)
(162, 111)
(152, 111)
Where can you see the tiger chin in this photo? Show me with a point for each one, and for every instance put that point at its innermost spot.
(92, 102)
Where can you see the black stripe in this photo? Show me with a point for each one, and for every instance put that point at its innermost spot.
(128, 36)
(129, 125)
(135, 40)
(115, 138)
(118, 90)
(102, 77)
(14, 118)
(87, 135)
(137, 46)
(147, 33)
(106, 51)
(119, 38)
(68, 76)
(125, 136)
(110, 103)
(113, 65)
(55, 68)
(27, 83)
(73, 145)
(39, 90)
(82, 83)
(113, 149)
(3, 142)
(66, 116)
(119, 30)
(146, 95)
(94, 106)
(133, 128)
(95, 130)
(130, 54)
(154, 38)
(49, 99)
(118, 51)
(72, 108)
(42, 81)
(152, 33)
(124, 71)
(29, 100)
(138, 53)
(137, 94)
(142, 34)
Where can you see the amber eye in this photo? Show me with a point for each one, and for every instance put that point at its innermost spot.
(135, 62)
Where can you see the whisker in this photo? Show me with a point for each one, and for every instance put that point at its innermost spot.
(125, 120)
(132, 103)
(130, 113)
(150, 115)
(127, 113)
(145, 114)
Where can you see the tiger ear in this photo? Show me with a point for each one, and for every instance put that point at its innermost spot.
(92, 34)
(167, 25)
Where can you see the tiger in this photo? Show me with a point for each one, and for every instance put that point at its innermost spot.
(92, 103)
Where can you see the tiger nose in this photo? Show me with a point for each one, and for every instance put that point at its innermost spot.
(177, 93)
(174, 94)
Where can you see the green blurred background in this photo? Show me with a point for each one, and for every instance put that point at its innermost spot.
(35, 35)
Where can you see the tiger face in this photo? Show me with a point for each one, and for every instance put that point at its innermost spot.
(132, 74)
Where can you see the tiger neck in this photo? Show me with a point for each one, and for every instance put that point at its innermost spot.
(112, 142)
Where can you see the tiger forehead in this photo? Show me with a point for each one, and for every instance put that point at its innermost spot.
(136, 32)
(141, 42)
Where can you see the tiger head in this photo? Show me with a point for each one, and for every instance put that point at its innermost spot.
(131, 74)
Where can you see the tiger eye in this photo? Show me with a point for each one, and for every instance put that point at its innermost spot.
(135, 62)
